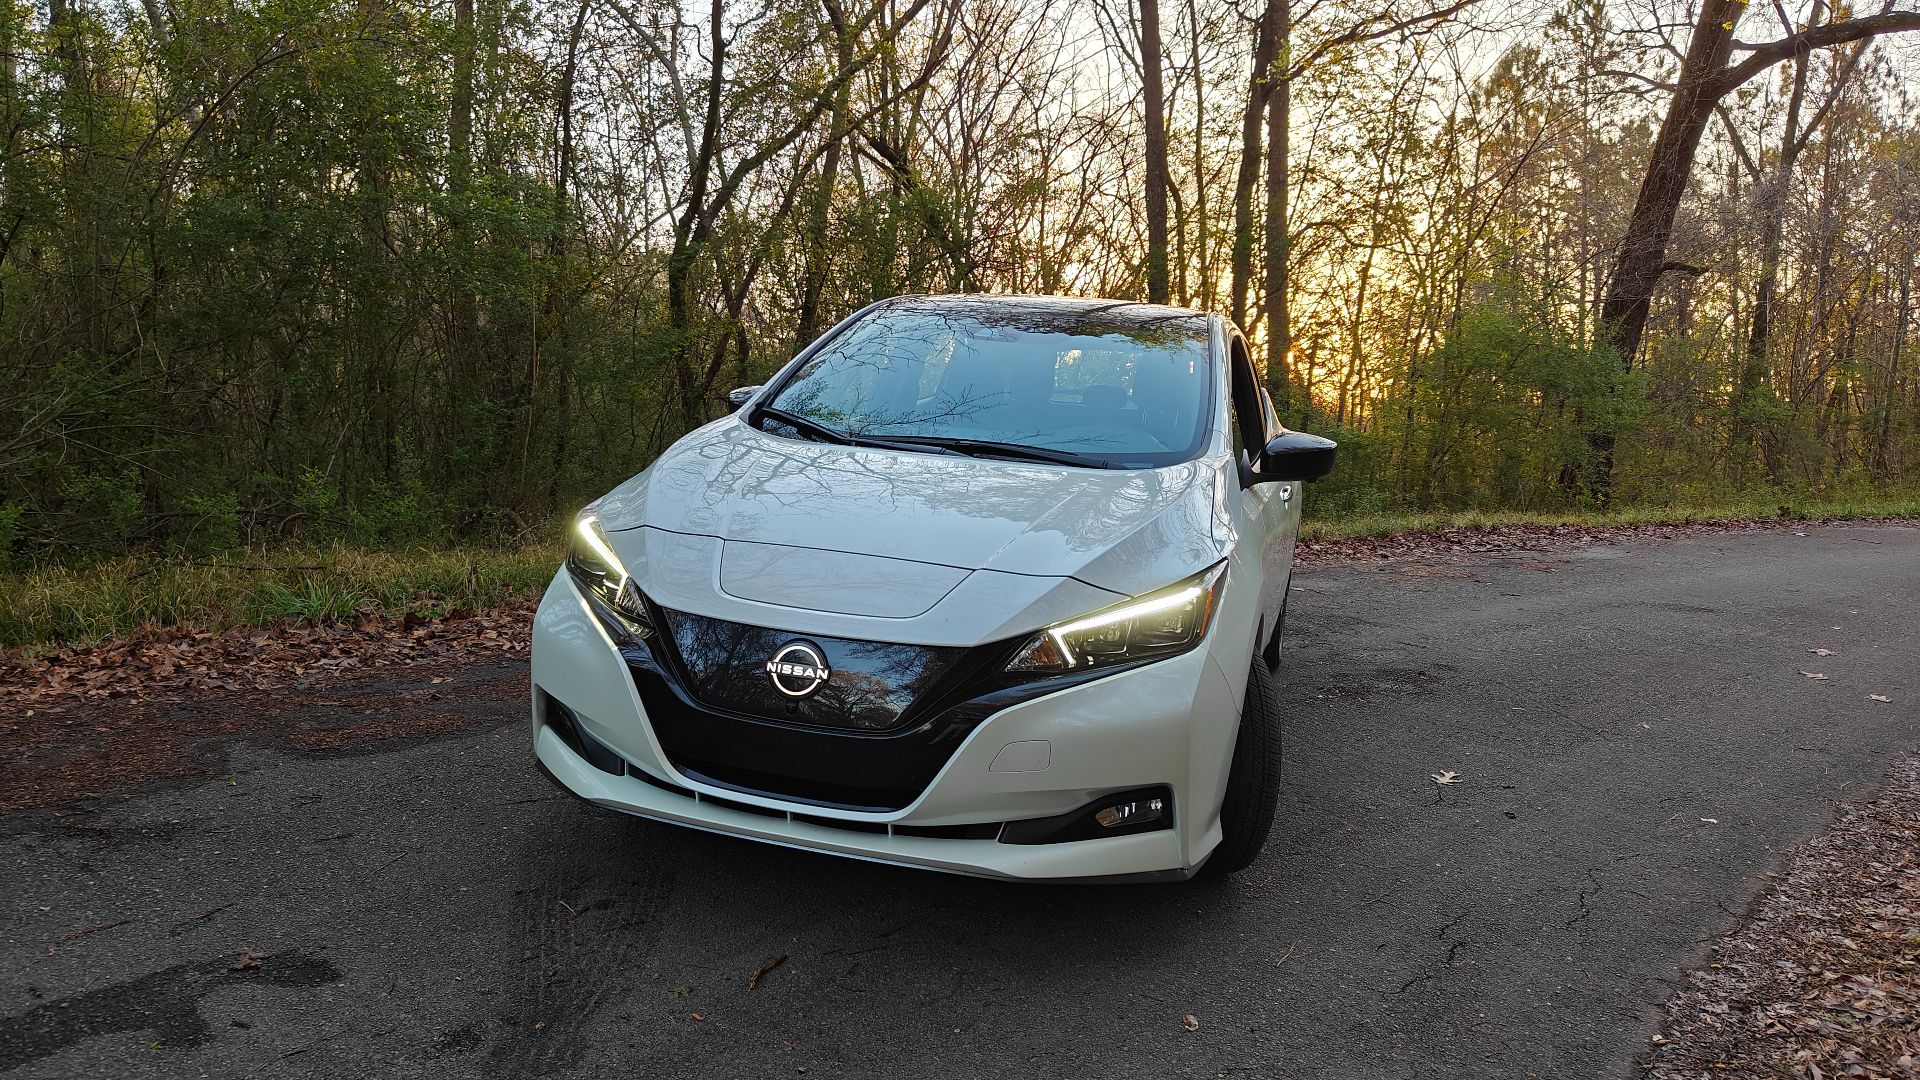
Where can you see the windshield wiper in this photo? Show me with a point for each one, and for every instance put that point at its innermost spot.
(807, 426)
(991, 448)
(823, 433)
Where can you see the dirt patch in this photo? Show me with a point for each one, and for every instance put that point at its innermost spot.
(67, 752)
(178, 664)
(1824, 979)
(163, 1007)
(159, 707)
(418, 727)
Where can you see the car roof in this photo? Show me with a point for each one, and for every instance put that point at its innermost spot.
(1065, 314)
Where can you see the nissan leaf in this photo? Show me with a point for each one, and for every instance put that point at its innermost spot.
(984, 584)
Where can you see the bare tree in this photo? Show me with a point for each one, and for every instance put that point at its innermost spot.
(1707, 74)
(1156, 123)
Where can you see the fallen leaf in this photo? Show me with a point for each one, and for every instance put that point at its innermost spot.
(1814, 675)
(753, 980)
(1879, 697)
(1448, 778)
(247, 960)
(698, 1017)
(1190, 1022)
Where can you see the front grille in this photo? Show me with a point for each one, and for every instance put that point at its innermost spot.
(871, 740)
(874, 685)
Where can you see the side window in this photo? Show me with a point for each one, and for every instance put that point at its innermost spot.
(1249, 406)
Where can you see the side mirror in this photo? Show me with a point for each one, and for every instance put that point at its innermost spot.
(1296, 455)
(740, 396)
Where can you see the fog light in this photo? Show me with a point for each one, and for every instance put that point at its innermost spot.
(1139, 811)
(1117, 813)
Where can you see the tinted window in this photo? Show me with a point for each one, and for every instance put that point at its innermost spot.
(1129, 384)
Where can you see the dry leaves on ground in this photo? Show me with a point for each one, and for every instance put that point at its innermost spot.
(1497, 539)
(1824, 979)
(180, 663)
(176, 662)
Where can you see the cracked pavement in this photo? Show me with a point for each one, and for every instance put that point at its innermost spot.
(1638, 747)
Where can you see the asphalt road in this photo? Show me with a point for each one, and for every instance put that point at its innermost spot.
(1638, 745)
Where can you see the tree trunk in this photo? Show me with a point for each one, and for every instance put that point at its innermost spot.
(1749, 390)
(1643, 252)
(77, 104)
(1244, 181)
(1881, 459)
(560, 276)
(9, 131)
(465, 314)
(1156, 105)
(1705, 77)
(1279, 110)
(690, 232)
(1203, 249)
(818, 261)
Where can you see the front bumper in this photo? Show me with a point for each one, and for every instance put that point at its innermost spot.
(1169, 724)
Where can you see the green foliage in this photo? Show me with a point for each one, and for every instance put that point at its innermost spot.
(102, 507)
(57, 605)
(1500, 415)
(10, 515)
(312, 600)
(214, 524)
(251, 296)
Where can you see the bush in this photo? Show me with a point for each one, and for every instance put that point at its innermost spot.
(10, 515)
(100, 510)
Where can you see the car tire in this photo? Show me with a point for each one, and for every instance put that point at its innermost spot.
(1253, 777)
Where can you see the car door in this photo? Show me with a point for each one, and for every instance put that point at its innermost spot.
(1270, 511)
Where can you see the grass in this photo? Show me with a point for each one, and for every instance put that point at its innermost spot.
(56, 606)
(63, 606)
(1844, 509)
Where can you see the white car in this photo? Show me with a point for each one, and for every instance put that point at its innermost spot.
(983, 584)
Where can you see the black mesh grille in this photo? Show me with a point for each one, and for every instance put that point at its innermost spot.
(873, 686)
(872, 739)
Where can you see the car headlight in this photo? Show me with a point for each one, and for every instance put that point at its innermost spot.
(1157, 624)
(597, 569)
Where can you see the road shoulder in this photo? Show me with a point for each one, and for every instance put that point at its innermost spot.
(1823, 979)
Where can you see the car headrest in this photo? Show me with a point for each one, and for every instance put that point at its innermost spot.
(1104, 397)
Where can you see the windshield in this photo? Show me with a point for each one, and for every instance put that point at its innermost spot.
(1121, 384)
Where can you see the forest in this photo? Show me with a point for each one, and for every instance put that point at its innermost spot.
(382, 272)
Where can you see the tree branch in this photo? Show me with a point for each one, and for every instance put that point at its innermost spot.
(1375, 29)
(1820, 37)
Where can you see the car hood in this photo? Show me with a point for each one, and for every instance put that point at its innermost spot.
(1122, 530)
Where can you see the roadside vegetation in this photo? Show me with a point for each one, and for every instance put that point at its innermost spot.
(63, 605)
(68, 604)
(1342, 526)
(399, 275)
